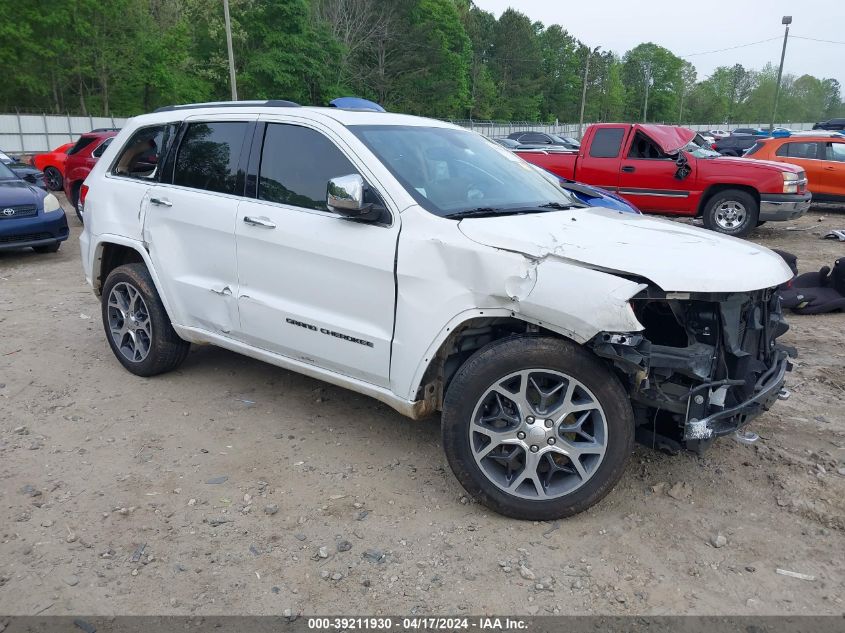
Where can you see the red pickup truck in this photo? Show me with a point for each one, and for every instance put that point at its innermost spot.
(671, 170)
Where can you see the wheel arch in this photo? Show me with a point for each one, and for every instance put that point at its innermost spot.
(460, 339)
(712, 190)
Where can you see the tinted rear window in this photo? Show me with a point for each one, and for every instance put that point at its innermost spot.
(607, 142)
(209, 155)
(82, 143)
(798, 150)
(757, 147)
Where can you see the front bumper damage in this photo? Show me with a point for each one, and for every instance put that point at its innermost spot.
(704, 366)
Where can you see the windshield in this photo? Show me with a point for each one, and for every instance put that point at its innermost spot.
(700, 148)
(450, 172)
(6, 173)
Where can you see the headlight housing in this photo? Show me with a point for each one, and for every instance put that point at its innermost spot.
(51, 203)
(790, 182)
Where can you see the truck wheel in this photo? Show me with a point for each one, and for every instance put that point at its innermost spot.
(137, 327)
(732, 212)
(75, 201)
(536, 428)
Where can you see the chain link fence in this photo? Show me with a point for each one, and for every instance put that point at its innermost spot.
(504, 128)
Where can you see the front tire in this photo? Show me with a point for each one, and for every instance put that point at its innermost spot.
(537, 428)
(731, 212)
(137, 327)
(75, 202)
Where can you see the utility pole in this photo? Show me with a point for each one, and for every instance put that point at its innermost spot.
(786, 20)
(584, 91)
(647, 86)
(232, 79)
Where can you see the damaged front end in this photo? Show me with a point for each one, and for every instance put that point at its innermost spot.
(703, 366)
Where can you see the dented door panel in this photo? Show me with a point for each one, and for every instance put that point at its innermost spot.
(192, 245)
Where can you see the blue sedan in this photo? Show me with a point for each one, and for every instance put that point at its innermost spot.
(29, 216)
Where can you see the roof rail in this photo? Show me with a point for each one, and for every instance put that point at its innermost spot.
(269, 103)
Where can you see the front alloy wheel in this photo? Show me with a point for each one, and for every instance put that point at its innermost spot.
(538, 434)
(537, 427)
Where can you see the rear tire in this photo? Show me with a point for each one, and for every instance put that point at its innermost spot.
(53, 178)
(544, 404)
(137, 327)
(49, 248)
(731, 212)
(75, 201)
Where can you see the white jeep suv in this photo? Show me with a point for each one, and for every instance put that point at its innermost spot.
(423, 265)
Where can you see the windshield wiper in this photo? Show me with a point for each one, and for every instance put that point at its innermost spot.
(557, 206)
(473, 213)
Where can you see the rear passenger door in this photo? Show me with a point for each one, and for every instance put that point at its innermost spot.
(833, 170)
(314, 286)
(189, 222)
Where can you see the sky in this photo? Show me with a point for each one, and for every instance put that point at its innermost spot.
(696, 26)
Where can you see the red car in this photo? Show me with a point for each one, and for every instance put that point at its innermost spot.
(667, 169)
(53, 166)
(81, 158)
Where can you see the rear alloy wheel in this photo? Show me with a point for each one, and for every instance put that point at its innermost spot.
(53, 178)
(732, 212)
(537, 428)
(137, 327)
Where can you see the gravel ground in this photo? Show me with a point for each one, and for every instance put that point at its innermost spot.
(231, 486)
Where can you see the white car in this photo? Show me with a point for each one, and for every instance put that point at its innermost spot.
(423, 265)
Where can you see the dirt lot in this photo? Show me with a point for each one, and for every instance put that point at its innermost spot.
(231, 486)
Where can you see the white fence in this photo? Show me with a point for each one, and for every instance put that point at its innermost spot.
(32, 133)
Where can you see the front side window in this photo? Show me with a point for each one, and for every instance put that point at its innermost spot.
(798, 150)
(296, 166)
(607, 142)
(142, 156)
(450, 172)
(208, 157)
(836, 151)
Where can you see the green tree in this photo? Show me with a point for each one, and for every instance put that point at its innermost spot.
(516, 62)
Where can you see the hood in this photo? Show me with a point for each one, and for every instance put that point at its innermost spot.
(731, 162)
(676, 257)
(670, 138)
(18, 192)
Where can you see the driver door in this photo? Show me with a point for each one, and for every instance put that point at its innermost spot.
(313, 286)
(647, 178)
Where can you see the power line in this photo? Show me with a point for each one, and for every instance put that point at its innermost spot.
(730, 48)
(813, 39)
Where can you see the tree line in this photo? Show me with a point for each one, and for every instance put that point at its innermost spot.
(440, 58)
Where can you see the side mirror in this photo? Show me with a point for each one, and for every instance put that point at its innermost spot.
(345, 195)
(350, 197)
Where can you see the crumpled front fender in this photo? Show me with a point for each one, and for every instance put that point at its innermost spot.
(580, 302)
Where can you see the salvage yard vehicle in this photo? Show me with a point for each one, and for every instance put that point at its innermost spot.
(423, 265)
(52, 163)
(666, 169)
(80, 159)
(29, 216)
(25, 172)
(820, 154)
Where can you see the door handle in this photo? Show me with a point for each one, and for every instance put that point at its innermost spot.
(262, 222)
(629, 169)
(162, 202)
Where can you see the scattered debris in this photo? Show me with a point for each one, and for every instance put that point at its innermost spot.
(526, 573)
(218, 480)
(374, 555)
(87, 627)
(216, 522)
(680, 491)
(271, 509)
(71, 580)
(139, 551)
(344, 546)
(794, 574)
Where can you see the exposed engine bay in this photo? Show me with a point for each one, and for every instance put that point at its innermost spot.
(704, 366)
